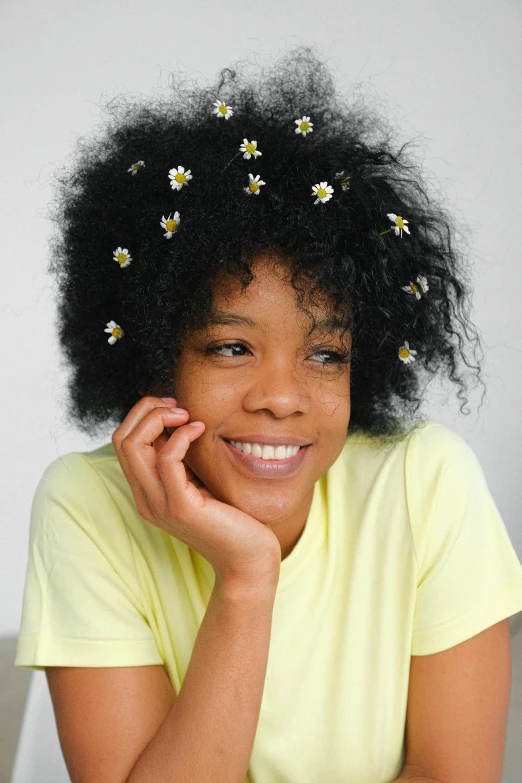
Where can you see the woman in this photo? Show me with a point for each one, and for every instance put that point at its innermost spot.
(275, 571)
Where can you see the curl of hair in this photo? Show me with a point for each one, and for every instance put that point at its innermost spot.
(336, 249)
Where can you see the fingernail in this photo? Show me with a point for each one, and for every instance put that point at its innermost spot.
(195, 423)
(169, 400)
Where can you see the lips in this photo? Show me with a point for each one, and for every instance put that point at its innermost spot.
(274, 468)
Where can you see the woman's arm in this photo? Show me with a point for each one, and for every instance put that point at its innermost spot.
(210, 731)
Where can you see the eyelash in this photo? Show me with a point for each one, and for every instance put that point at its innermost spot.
(341, 358)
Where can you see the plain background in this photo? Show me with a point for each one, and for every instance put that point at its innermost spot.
(447, 73)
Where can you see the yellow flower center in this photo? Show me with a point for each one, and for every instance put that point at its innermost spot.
(414, 288)
(344, 181)
(180, 177)
(136, 166)
(223, 109)
(116, 332)
(171, 225)
(321, 192)
(253, 186)
(403, 353)
(122, 258)
(400, 222)
(303, 126)
(250, 147)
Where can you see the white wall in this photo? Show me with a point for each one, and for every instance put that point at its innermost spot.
(448, 71)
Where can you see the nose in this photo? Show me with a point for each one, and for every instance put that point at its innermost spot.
(277, 387)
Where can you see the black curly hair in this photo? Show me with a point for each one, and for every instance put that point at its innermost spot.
(341, 249)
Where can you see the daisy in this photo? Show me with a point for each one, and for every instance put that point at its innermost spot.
(222, 110)
(414, 289)
(254, 185)
(122, 256)
(406, 355)
(115, 331)
(304, 125)
(323, 191)
(249, 148)
(136, 167)
(170, 224)
(179, 177)
(400, 224)
(343, 179)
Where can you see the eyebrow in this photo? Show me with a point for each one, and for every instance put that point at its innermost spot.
(329, 324)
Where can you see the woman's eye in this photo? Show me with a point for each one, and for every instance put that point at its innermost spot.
(338, 358)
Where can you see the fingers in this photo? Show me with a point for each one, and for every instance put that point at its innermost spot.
(176, 477)
(137, 412)
(144, 423)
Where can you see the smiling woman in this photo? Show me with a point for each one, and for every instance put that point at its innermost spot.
(253, 386)
(272, 351)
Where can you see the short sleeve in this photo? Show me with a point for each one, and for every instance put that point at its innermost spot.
(469, 576)
(82, 603)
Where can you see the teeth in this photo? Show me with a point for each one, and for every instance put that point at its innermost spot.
(266, 452)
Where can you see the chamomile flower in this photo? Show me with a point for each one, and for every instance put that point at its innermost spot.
(406, 354)
(414, 289)
(323, 191)
(179, 177)
(343, 180)
(249, 148)
(222, 110)
(170, 224)
(400, 224)
(304, 125)
(254, 185)
(115, 331)
(136, 167)
(122, 256)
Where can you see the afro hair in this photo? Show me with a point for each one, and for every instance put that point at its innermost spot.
(345, 248)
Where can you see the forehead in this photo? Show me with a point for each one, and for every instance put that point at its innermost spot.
(270, 294)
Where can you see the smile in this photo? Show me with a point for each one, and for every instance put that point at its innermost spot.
(269, 467)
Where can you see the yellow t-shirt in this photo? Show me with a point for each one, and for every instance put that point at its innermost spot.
(404, 553)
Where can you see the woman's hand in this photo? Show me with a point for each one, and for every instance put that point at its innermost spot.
(171, 497)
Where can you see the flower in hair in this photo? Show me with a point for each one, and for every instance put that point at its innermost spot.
(343, 179)
(406, 354)
(115, 331)
(170, 224)
(304, 125)
(179, 177)
(414, 289)
(136, 167)
(323, 191)
(254, 185)
(400, 224)
(222, 110)
(122, 256)
(249, 148)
